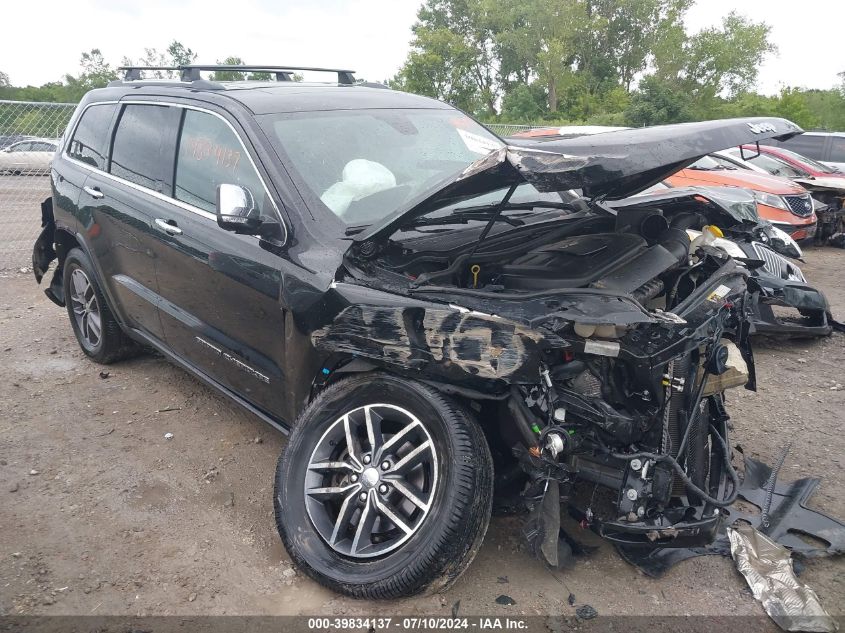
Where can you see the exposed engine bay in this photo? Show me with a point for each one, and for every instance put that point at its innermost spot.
(618, 386)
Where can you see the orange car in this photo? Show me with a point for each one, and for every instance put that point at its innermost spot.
(785, 204)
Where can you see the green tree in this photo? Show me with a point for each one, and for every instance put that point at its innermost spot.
(524, 104)
(96, 73)
(176, 54)
(659, 101)
(453, 54)
(180, 55)
(438, 66)
(229, 75)
(727, 60)
(793, 105)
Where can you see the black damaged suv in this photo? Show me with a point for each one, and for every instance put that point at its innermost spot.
(432, 314)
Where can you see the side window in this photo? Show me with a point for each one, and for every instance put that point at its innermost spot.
(90, 140)
(837, 149)
(210, 154)
(21, 147)
(142, 146)
(807, 145)
(43, 147)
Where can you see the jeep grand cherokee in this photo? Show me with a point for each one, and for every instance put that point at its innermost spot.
(412, 300)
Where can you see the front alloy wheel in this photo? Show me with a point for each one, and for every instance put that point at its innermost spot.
(371, 480)
(384, 489)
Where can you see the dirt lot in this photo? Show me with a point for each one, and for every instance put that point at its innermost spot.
(101, 514)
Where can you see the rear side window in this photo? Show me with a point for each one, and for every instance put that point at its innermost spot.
(806, 145)
(837, 149)
(211, 154)
(90, 140)
(142, 145)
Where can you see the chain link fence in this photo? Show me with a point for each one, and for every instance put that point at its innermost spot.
(506, 129)
(29, 135)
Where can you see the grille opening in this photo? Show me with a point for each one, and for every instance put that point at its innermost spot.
(787, 315)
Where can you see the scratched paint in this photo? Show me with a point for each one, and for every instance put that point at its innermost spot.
(481, 345)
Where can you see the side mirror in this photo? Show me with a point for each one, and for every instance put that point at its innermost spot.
(236, 210)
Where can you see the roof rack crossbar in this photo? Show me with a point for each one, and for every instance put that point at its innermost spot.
(133, 73)
(283, 73)
(191, 72)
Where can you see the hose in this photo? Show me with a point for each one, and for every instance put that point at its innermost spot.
(687, 481)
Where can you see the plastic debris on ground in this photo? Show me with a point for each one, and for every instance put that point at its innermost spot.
(768, 569)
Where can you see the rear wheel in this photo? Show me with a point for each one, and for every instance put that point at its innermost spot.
(97, 331)
(384, 489)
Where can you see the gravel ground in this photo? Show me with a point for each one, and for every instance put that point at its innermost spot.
(101, 514)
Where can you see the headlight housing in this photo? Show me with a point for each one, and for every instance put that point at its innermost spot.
(771, 200)
(782, 242)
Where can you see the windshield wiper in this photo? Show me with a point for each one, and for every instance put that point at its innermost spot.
(464, 215)
(532, 204)
(490, 211)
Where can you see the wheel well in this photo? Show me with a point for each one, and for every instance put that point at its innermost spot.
(65, 242)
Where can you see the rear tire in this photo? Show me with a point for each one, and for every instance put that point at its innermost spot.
(97, 331)
(445, 525)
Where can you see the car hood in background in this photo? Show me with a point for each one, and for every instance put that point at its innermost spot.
(612, 165)
(833, 183)
(737, 178)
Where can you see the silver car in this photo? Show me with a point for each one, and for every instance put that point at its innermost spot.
(32, 156)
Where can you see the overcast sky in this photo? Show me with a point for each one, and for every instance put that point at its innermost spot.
(43, 39)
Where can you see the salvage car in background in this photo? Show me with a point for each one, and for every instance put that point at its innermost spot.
(28, 157)
(783, 203)
(412, 299)
(825, 147)
(826, 185)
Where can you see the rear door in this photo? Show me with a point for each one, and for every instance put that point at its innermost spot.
(221, 291)
(122, 204)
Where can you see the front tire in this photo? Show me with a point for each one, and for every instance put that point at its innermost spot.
(97, 331)
(384, 489)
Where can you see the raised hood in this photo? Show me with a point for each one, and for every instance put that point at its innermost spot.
(611, 165)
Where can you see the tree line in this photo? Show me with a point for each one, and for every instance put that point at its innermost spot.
(601, 62)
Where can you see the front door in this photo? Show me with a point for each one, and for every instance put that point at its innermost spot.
(221, 309)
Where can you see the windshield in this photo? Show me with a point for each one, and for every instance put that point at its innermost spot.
(773, 165)
(807, 161)
(363, 165)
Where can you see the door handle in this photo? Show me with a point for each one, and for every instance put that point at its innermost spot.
(169, 226)
(94, 192)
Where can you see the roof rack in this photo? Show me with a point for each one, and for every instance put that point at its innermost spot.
(192, 71)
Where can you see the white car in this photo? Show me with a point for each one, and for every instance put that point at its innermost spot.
(32, 156)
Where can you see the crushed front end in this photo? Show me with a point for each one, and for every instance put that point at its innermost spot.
(594, 345)
(633, 427)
